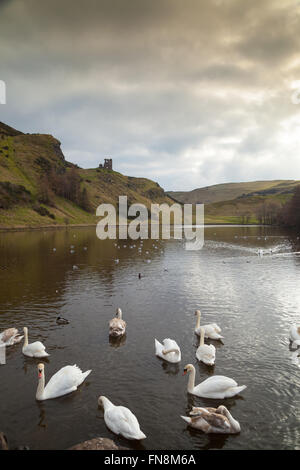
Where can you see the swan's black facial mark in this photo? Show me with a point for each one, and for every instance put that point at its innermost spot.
(184, 371)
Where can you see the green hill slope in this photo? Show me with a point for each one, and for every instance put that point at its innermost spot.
(33, 176)
(236, 203)
(230, 191)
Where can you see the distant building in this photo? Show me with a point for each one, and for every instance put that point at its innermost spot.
(107, 164)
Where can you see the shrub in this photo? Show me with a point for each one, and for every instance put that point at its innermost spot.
(43, 211)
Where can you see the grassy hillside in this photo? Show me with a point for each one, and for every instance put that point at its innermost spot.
(231, 191)
(241, 210)
(240, 203)
(27, 160)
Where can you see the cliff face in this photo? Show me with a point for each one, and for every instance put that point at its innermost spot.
(39, 187)
(6, 130)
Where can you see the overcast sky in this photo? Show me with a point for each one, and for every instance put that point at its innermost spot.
(186, 92)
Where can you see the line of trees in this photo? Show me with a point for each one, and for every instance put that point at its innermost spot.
(66, 185)
(290, 213)
(268, 213)
(272, 212)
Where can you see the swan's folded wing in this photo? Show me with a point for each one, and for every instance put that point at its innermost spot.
(36, 347)
(122, 421)
(216, 327)
(8, 335)
(212, 349)
(113, 323)
(215, 420)
(66, 378)
(197, 409)
(170, 344)
(117, 323)
(212, 331)
(217, 383)
(207, 349)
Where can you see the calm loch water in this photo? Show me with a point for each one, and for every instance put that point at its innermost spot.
(253, 298)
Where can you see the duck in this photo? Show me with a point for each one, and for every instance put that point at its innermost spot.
(36, 349)
(168, 350)
(120, 420)
(212, 330)
(62, 321)
(213, 420)
(295, 335)
(10, 337)
(65, 381)
(217, 386)
(117, 326)
(206, 352)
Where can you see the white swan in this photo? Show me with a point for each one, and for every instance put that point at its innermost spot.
(117, 326)
(36, 349)
(217, 386)
(65, 381)
(121, 420)
(10, 336)
(295, 358)
(212, 330)
(295, 335)
(213, 420)
(168, 350)
(205, 352)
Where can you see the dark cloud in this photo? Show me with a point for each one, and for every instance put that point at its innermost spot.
(187, 93)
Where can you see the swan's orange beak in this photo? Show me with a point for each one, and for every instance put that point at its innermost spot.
(184, 372)
(40, 374)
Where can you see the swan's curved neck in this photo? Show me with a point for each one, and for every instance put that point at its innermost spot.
(40, 387)
(25, 337)
(119, 314)
(106, 403)
(201, 343)
(233, 422)
(191, 382)
(198, 321)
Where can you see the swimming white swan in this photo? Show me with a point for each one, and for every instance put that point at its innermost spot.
(168, 350)
(212, 330)
(205, 352)
(121, 420)
(213, 420)
(295, 335)
(117, 326)
(217, 386)
(36, 349)
(10, 336)
(65, 381)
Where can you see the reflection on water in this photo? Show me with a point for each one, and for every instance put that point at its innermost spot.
(246, 279)
(116, 342)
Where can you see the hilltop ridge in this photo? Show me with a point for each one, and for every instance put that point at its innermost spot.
(39, 187)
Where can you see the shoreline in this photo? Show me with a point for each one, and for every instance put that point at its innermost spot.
(24, 228)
